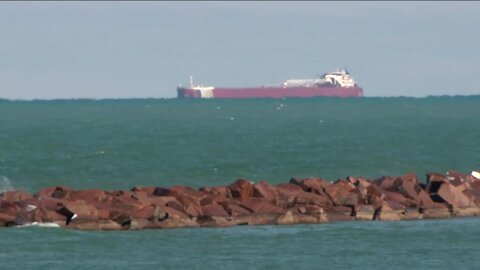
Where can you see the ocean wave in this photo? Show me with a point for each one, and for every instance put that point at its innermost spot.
(5, 184)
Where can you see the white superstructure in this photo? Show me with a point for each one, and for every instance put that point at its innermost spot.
(339, 78)
(205, 91)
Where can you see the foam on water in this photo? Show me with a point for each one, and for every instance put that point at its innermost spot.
(40, 224)
(5, 184)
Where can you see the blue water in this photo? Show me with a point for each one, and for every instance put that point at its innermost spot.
(118, 144)
(432, 244)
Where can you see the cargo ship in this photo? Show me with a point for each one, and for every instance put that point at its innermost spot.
(334, 84)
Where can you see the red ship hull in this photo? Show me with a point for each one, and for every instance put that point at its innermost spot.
(271, 92)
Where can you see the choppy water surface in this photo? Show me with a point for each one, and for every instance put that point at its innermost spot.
(117, 144)
(439, 244)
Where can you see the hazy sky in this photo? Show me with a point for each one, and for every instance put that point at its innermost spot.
(146, 49)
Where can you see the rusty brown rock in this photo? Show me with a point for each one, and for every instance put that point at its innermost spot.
(108, 225)
(310, 200)
(393, 205)
(180, 192)
(147, 190)
(7, 220)
(193, 210)
(375, 201)
(260, 206)
(80, 208)
(214, 210)
(125, 201)
(241, 189)
(173, 213)
(146, 199)
(287, 219)
(188, 208)
(85, 223)
(362, 187)
(375, 190)
(89, 195)
(57, 192)
(315, 185)
(258, 219)
(138, 223)
(364, 212)
(289, 195)
(453, 196)
(188, 197)
(143, 212)
(399, 198)
(9, 208)
(45, 215)
(408, 185)
(474, 195)
(234, 209)
(15, 196)
(213, 198)
(264, 190)
(170, 223)
(103, 212)
(384, 182)
(223, 221)
(47, 203)
(220, 190)
(343, 193)
(437, 177)
(176, 205)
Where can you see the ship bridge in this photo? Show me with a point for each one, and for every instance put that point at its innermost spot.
(339, 78)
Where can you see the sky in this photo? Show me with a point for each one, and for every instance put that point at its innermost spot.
(72, 49)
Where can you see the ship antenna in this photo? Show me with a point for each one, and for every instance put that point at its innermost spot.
(191, 81)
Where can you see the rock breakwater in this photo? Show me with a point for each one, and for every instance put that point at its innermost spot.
(243, 202)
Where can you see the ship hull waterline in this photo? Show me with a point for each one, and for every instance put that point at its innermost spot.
(272, 92)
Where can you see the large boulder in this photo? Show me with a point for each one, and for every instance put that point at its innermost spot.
(264, 190)
(58, 192)
(7, 220)
(384, 182)
(234, 209)
(89, 195)
(290, 195)
(213, 198)
(399, 198)
(143, 212)
(343, 193)
(9, 208)
(188, 197)
(241, 189)
(146, 190)
(220, 190)
(148, 199)
(15, 195)
(454, 196)
(177, 223)
(287, 219)
(260, 206)
(80, 207)
(180, 192)
(474, 194)
(315, 185)
(408, 185)
(214, 210)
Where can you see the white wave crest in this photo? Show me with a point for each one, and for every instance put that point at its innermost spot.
(5, 184)
(41, 224)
